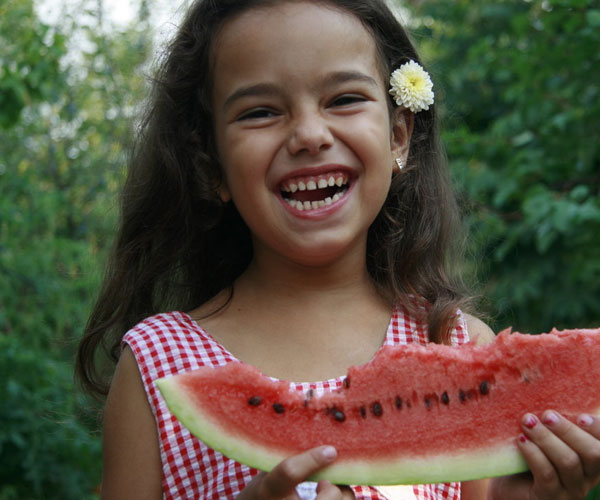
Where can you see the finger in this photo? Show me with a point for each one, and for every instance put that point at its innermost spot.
(327, 491)
(582, 442)
(284, 478)
(553, 440)
(545, 478)
(591, 451)
(250, 490)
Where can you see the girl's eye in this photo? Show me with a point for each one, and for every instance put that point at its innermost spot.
(257, 114)
(347, 99)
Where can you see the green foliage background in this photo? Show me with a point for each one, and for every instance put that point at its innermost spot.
(517, 84)
(520, 81)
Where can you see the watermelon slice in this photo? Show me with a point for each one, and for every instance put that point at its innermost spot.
(412, 415)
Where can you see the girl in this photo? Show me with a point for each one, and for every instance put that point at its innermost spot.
(283, 198)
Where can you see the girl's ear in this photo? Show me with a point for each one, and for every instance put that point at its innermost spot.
(402, 127)
(223, 191)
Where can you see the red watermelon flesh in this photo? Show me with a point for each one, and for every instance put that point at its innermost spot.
(413, 414)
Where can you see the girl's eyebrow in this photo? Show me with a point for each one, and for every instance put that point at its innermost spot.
(260, 89)
(269, 89)
(349, 76)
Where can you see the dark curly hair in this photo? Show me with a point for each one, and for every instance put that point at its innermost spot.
(178, 245)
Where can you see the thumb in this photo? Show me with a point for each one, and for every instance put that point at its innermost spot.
(284, 478)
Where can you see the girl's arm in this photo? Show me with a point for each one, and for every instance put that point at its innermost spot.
(132, 467)
(131, 462)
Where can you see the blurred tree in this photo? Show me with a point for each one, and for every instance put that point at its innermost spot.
(519, 81)
(68, 96)
(30, 54)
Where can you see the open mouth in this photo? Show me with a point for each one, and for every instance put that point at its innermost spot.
(311, 193)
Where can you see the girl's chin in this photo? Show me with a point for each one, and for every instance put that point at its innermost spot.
(328, 251)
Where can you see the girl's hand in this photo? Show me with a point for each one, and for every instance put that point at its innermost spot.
(563, 457)
(281, 482)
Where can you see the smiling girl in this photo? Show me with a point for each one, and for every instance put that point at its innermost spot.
(284, 209)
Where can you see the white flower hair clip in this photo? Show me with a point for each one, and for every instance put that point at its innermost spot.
(412, 87)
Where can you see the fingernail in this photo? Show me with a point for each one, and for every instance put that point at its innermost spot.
(530, 421)
(550, 418)
(523, 438)
(329, 453)
(585, 420)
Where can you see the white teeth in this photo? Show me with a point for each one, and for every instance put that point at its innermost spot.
(313, 205)
(312, 185)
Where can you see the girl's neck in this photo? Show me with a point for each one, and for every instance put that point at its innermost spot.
(281, 280)
(283, 314)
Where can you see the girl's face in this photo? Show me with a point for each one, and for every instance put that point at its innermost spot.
(303, 129)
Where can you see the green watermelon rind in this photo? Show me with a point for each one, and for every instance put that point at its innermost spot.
(497, 460)
(202, 425)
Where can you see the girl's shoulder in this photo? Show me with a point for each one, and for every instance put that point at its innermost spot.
(479, 332)
(408, 326)
(163, 329)
(172, 342)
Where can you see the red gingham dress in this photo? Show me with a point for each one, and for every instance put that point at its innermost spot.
(172, 343)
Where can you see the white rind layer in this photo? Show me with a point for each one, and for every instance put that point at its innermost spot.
(496, 460)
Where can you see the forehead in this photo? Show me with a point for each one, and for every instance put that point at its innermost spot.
(291, 40)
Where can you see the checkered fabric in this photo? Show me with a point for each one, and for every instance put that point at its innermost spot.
(171, 343)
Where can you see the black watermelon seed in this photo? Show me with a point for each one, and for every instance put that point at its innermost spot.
(398, 402)
(347, 382)
(363, 412)
(462, 396)
(428, 403)
(377, 409)
(484, 388)
(338, 415)
(445, 398)
(278, 407)
(309, 396)
(255, 401)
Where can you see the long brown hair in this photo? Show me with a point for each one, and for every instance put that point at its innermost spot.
(178, 245)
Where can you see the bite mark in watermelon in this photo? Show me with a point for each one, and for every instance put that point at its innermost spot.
(412, 415)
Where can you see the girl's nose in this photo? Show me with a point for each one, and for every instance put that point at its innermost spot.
(310, 134)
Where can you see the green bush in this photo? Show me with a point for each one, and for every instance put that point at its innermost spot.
(45, 450)
(519, 92)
